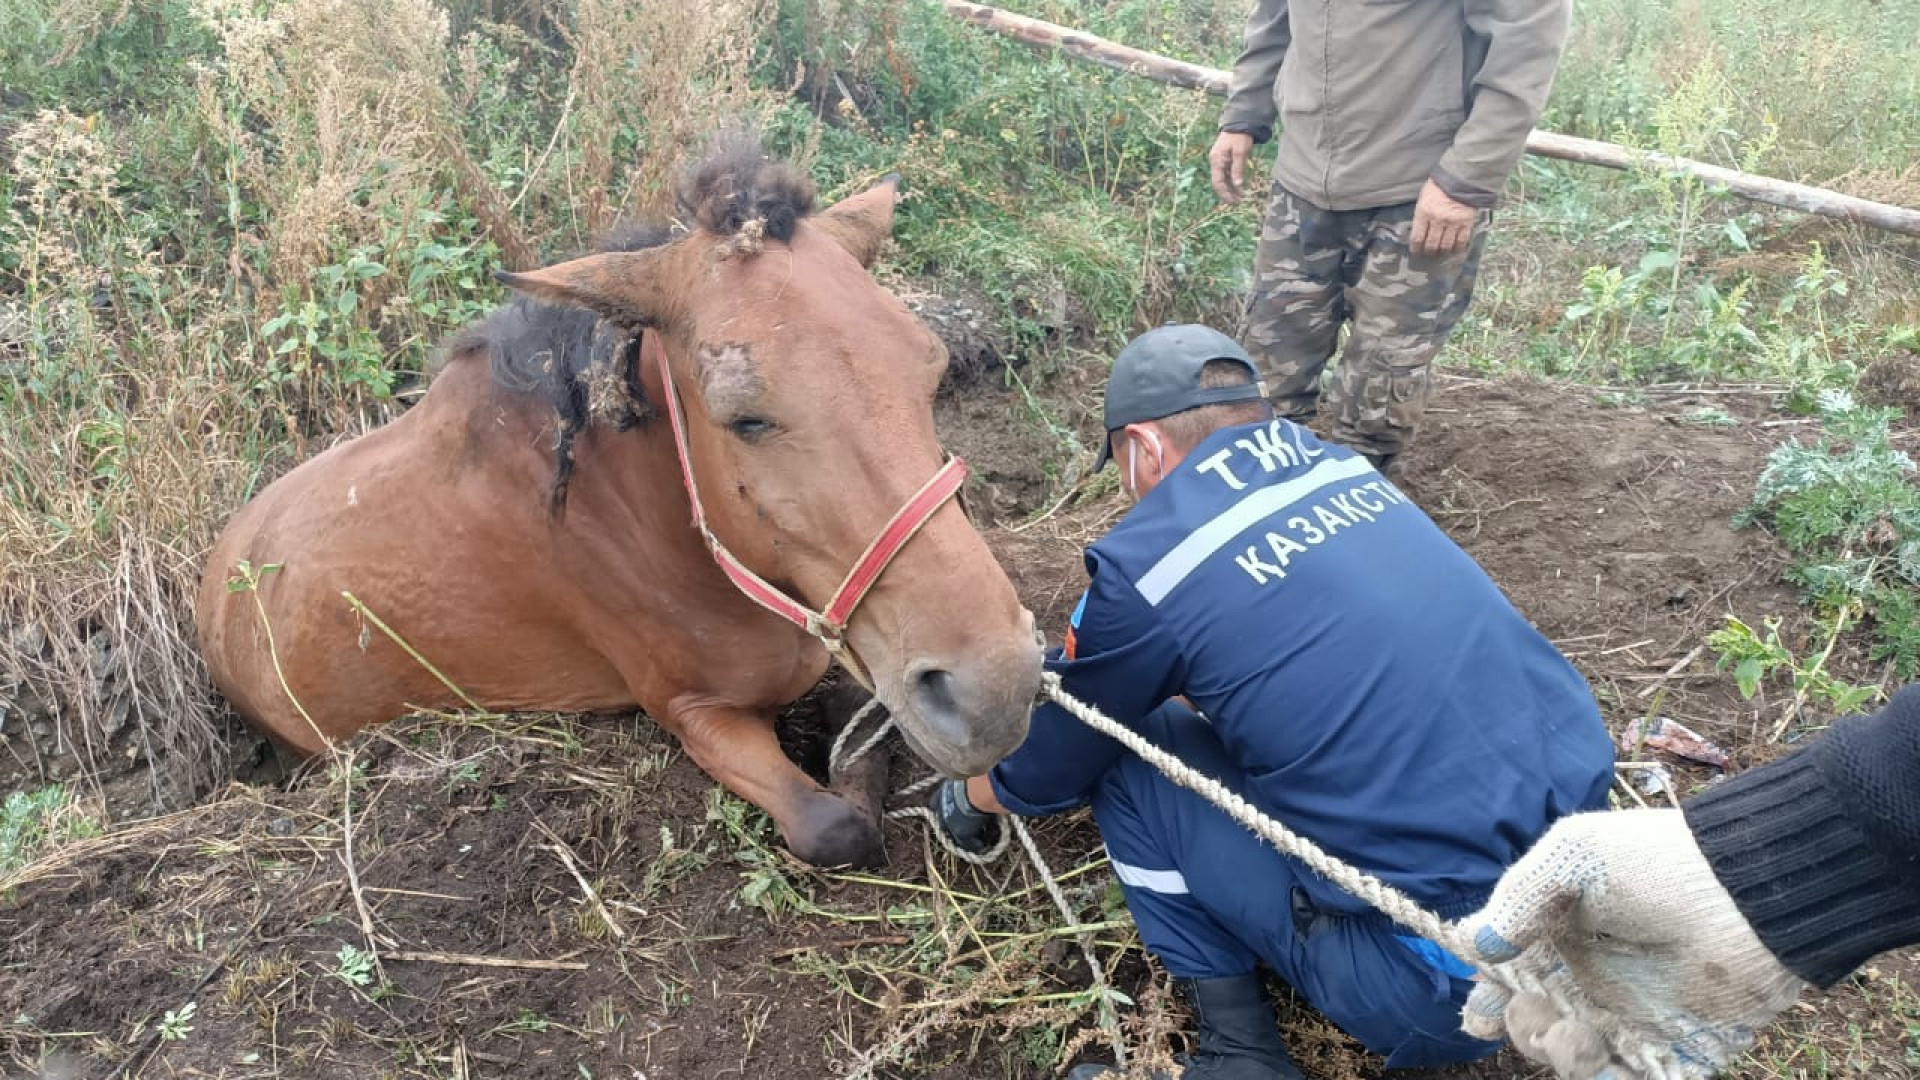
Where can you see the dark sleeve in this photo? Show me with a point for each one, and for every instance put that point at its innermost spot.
(1821, 849)
(1119, 659)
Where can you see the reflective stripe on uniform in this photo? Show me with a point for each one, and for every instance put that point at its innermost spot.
(1257, 506)
(1169, 882)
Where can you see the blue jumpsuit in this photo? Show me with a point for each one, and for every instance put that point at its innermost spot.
(1359, 678)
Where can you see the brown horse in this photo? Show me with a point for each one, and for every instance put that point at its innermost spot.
(526, 527)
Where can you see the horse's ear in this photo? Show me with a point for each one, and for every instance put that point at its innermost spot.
(630, 286)
(862, 223)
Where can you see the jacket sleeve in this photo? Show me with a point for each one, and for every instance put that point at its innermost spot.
(1821, 849)
(1523, 41)
(1250, 107)
(1118, 658)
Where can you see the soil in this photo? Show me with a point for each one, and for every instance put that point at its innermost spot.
(474, 845)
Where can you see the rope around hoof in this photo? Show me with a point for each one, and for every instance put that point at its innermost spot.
(839, 757)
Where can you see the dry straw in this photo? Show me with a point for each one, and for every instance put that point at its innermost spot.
(149, 412)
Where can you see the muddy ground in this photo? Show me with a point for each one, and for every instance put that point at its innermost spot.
(568, 897)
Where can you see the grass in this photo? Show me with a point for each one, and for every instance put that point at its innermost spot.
(1848, 508)
(32, 822)
(232, 234)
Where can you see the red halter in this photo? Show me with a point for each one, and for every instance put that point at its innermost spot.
(829, 625)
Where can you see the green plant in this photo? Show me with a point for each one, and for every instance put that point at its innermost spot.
(1718, 337)
(32, 822)
(525, 1021)
(1848, 509)
(353, 966)
(467, 773)
(1697, 119)
(764, 881)
(1709, 416)
(1804, 345)
(319, 347)
(176, 1025)
(1754, 659)
(1610, 300)
(666, 870)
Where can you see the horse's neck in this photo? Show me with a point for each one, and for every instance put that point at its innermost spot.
(624, 483)
(474, 425)
(633, 476)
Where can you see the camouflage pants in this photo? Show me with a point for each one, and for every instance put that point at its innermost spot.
(1319, 269)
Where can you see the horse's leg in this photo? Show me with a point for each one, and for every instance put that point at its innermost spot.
(863, 781)
(738, 748)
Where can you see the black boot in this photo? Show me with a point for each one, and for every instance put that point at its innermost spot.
(1380, 462)
(1236, 1037)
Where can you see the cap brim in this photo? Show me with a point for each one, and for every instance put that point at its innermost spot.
(1106, 452)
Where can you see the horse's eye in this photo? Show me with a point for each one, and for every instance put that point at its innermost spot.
(751, 428)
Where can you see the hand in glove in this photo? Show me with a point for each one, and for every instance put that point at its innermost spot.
(1658, 975)
(972, 831)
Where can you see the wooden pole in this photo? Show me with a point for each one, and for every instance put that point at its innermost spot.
(1164, 69)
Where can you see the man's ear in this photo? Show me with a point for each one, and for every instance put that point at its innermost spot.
(1150, 439)
(861, 223)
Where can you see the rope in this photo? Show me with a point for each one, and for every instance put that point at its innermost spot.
(1109, 1018)
(839, 757)
(1377, 894)
(1382, 897)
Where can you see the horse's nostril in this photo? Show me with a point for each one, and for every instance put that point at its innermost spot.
(947, 710)
(935, 699)
(962, 719)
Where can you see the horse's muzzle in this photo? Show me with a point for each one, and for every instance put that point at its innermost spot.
(964, 719)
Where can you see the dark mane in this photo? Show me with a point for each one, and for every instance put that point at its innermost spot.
(587, 367)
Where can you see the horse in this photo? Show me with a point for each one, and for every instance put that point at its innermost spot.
(534, 531)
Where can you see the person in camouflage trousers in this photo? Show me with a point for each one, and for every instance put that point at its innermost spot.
(1399, 122)
(1317, 269)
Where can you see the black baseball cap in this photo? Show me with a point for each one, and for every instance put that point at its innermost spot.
(1158, 374)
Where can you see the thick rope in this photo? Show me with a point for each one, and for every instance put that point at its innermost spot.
(1377, 894)
(1544, 978)
(1382, 897)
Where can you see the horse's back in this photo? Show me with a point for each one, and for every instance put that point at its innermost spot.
(364, 516)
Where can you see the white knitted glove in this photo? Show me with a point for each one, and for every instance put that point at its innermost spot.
(1646, 968)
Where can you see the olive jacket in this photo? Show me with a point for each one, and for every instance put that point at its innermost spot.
(1373, 97)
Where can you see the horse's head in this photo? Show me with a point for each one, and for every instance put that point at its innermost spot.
(807, 394)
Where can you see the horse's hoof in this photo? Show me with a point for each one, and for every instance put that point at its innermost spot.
(838, 835)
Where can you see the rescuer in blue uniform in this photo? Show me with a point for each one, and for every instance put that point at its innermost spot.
(1277, 614)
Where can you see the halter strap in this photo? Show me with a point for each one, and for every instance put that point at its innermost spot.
(829, 625)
